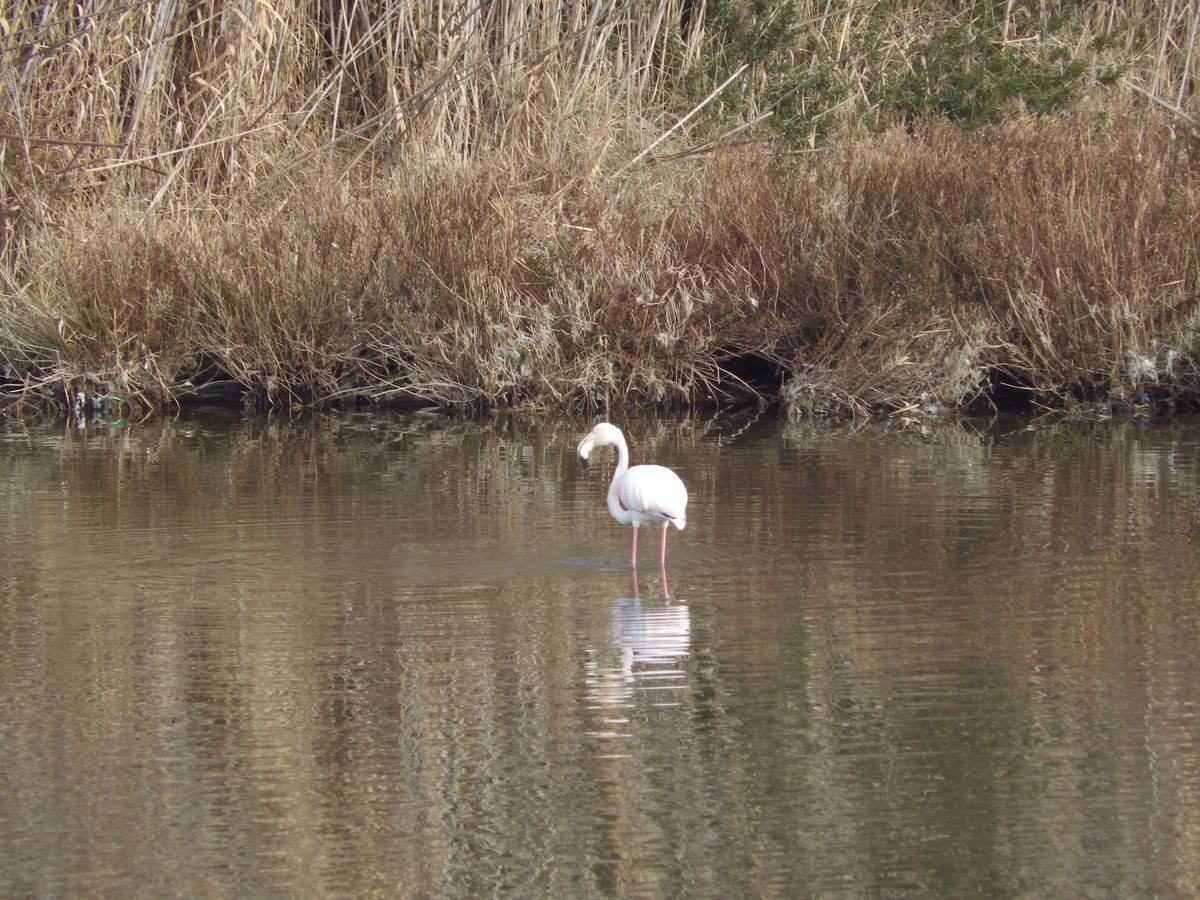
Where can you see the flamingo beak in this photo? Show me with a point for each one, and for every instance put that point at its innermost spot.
(584, 450)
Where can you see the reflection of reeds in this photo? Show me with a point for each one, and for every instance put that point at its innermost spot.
(393, 201)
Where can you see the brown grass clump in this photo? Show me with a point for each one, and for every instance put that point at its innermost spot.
(1060, 259)
(888, 272)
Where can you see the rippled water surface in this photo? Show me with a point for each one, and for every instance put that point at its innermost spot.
(388, 656)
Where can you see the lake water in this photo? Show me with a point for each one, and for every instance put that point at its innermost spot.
(392, 656)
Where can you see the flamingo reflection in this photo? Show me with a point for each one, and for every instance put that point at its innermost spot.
(651, 639)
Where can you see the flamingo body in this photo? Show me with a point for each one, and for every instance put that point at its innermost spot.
(641, 495)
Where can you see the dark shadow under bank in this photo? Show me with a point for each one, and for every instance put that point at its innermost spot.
(749, 382)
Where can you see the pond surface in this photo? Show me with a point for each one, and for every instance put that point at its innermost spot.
(389, 656)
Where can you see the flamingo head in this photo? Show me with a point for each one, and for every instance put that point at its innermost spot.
(603, 435)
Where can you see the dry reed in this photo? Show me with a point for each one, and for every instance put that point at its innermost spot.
(495, 205)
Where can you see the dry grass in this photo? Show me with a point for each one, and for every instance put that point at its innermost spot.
(1059, 257)
(492, 205)
(891, 270)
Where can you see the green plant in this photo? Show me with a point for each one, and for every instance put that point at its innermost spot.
(971, 75)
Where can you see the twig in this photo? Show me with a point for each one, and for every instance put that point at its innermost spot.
(695, 110)
(26, 139)
(1169, 107)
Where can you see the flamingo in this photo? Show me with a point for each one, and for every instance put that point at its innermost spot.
(643, 495)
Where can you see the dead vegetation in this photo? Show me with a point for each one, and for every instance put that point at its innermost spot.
(529, 206)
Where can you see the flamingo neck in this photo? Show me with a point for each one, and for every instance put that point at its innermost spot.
(618, 512)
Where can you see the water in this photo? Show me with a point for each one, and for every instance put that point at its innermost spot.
(386, 656)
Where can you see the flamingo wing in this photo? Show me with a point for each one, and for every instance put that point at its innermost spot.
(654, 493)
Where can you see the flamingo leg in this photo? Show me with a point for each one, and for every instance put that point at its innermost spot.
(633, 550)
(662, 553)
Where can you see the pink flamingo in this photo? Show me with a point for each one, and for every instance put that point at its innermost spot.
(643, 495)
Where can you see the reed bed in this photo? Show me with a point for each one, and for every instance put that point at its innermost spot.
(572, 204)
